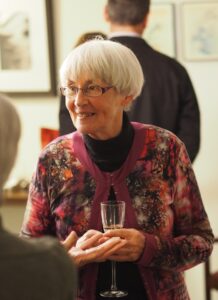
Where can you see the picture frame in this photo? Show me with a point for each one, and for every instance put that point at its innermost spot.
(27, 64)
(160, 30)
(199, 31)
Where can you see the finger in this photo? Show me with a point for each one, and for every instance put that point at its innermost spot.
(70, 241)
(88, 242)
(91, 232)
(124, 255)
(88, 234)
(96, 254)
(114, 248)
(103, 240)
(122, 233)
(108, 246)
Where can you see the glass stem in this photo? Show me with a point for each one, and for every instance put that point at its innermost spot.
(114, 277)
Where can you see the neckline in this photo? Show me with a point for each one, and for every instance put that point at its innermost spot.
(109, 155)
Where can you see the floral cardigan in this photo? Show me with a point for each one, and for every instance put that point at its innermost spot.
(162, 198)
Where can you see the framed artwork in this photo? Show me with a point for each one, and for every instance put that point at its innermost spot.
(200, 31)
(26, 47)
(160, 31)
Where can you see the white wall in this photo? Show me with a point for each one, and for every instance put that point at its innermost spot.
(35, 113)
(75, 17)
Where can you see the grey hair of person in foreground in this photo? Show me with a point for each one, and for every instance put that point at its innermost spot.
(10, 130)
(113, 63)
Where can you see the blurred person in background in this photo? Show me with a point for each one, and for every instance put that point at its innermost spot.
(168, 99)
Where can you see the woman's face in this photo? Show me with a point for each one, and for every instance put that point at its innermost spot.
(99, 116)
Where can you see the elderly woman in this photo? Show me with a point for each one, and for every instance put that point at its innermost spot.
(166, 227)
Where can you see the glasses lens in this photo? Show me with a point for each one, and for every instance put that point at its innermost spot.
(70, 91)
(93, 90)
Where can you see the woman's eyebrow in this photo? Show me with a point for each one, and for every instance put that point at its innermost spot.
(87, 82)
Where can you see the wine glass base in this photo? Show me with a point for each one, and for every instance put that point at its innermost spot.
(113, 294)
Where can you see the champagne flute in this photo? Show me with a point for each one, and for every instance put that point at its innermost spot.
(112, 215)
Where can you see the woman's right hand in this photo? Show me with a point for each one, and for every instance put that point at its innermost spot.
(91, 247)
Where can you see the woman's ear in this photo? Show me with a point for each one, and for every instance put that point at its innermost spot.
(127, 100)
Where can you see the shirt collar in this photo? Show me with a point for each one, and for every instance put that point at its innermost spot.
(123, 33)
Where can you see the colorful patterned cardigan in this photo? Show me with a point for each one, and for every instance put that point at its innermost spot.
(162, 200)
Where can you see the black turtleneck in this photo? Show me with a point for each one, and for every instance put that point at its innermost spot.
(109, 155)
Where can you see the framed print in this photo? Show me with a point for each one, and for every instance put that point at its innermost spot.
(160, 31)
(200, 31)
(26, 47)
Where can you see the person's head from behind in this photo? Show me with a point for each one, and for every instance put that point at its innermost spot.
(10, 129)
(100, 79)
(127, 12)
(90, 36)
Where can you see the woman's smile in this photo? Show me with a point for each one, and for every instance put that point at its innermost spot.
(85, 115)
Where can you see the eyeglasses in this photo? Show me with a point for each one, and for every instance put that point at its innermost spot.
(91, 90)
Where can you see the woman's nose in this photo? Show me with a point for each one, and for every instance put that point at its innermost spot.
(80, 98)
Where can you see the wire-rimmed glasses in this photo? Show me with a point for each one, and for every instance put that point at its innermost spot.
(92, 90)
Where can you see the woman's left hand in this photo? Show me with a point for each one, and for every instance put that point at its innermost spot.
(91, 247)
(132, 250)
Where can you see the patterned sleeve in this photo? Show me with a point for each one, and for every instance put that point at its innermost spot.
(37, 218)
(192, 239)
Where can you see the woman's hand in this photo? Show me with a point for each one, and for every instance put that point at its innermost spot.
(70, 241)
(91, 247)
(132, 250)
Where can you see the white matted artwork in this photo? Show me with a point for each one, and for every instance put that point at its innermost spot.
(26, 56)
(160, 31)
(199, 31)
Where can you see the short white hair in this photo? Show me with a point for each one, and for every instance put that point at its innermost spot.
(111, 62)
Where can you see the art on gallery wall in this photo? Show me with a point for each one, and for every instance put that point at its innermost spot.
(26, 48)
(160, 30)
(199, 31)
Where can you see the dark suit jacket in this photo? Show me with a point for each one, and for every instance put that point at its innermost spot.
(167, 100)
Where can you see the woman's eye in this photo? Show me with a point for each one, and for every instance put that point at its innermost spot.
(73, 89)
(93, 88)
